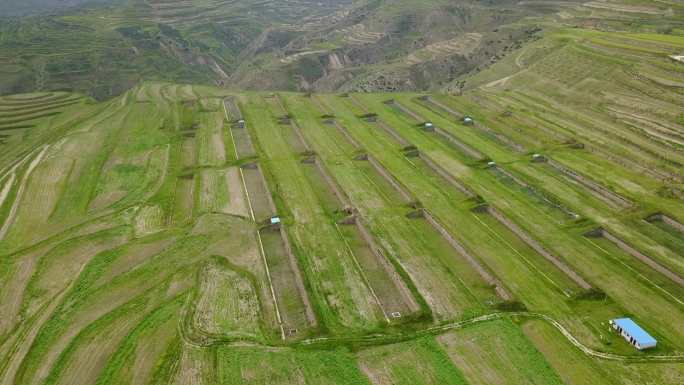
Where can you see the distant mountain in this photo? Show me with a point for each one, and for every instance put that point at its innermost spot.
(26, 7)
(305, 45)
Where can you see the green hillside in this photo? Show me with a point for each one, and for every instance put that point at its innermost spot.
(218, 192)
(137, 244)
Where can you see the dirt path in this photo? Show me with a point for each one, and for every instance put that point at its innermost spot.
(441, 329)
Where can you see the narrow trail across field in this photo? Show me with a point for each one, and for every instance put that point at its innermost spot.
(381, 339)
(384, 339)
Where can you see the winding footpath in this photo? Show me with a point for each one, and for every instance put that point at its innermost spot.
(380, 339)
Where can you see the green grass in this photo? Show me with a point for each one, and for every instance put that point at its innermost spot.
(497, 353)
(431, 364)
(258, 366)
(91, 294)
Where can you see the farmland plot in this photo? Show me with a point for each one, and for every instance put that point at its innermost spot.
(324, 254)
(137, 253)
(259, 196)
(497, 353)
(292, 301)
(372, 188)
(243, 142)
(455, 215)
(260, 366)
(388, 364)
(184, 199)
(210, 135)
(227, 304)
(221, 191)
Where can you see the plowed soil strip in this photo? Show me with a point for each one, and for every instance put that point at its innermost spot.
(242, 141)
(232, 109)
(260, 198)
(291, 296)
(404, 301)
(609, 197)
(525, 237)
(486, 276)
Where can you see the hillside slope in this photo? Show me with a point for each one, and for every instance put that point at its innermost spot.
(138, 242)
(378, 45)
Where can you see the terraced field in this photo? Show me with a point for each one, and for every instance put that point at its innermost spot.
(331, 239)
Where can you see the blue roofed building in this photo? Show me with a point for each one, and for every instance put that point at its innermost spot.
(633, 333)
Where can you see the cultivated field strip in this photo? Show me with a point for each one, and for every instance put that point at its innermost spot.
(444, 174)
(405, 195)
(534, 244)
(9, 220)
(432, 103)
(502, 267)
(471, 288)
(540, 195)
(486, 276)
(442, 133)
(393, 296)
(291, 296)
(373, 118)
(342, 198)
(385, 284)
(242, 142)
(300, 141)
(669, 221)
(609, 197)
(597, 132)
(325, 258)
(345, 133)
(622, 245)
(331, 254)
(293, 306)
